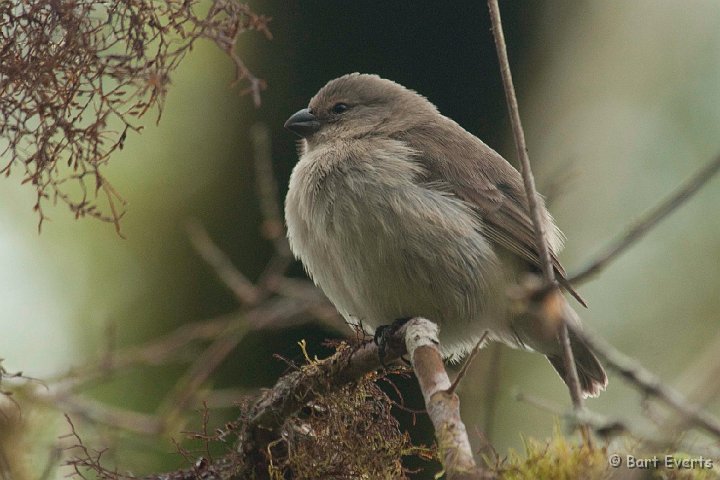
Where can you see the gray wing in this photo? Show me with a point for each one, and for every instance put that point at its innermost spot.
(489, 184)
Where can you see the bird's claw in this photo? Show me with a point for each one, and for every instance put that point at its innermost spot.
(383, 333)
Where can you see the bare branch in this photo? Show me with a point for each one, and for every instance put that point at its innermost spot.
(224, 397)
(699, 378)
(245, 292)
(101, 413)
(468, 361)
(520, 145)
(647, 222)
(606, 426)
(649, 383)
(532, 198)
(276, 313)
(158, 351)
(225, 332)
(492, 376)
(183, 393)
(442, 404)
(273, 225)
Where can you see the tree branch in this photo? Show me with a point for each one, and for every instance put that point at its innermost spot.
(273, 225)
(532, 198)
(245, 292)
(442, 404)
(607, 426)
(418, 338)
(647, 222)
(648, 382)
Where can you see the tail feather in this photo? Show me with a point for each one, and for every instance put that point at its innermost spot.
(593, 378)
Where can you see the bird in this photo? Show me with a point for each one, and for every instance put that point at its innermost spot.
(396, 212)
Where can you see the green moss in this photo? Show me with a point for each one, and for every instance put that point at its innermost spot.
(560, 458)
(557, 458)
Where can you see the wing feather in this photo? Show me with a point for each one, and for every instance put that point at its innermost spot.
(487, 182)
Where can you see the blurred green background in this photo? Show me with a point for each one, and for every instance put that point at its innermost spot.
(620, 101)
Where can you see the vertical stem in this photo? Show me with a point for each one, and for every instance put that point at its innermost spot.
(520, 145)
(531, 193)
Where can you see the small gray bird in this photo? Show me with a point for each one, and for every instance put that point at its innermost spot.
(396, 211)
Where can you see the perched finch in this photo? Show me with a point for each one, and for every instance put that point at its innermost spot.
(396, 212)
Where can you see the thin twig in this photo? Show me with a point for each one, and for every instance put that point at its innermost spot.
(532, 196)
(160, 351)
(520, 145)
(699, 379)
(225, 332)
(324, 312)
(699, 384)
(468, 362)
(607, 426)
(278, 313)
(101, 413)
(559, 179)
(648, 382)
(245, 292)
(647, 222)
(183, 393)
(265, 184)
(493, 376)
(273, 226)
(111, 66)
(224, 397)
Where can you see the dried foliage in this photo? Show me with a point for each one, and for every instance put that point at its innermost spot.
(349, 433)
(87, 459)
(346, 434)
(76, 76)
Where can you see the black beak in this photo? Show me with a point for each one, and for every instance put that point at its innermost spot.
(303, 123)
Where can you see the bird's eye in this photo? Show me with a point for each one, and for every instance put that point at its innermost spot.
(339, 108)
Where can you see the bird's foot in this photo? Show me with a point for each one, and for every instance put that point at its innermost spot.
(383, 333)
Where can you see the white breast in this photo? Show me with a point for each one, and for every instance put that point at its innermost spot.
(382, 246)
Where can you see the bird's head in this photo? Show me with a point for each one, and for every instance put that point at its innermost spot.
(359, 105)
